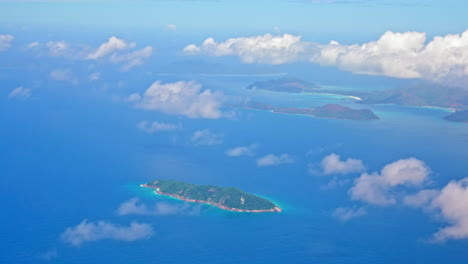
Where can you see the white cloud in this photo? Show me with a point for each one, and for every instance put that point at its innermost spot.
(132, 59)
(394, 54)
(134, 207)
(267, 49)
(332, 164)
(94, 231)
(375, 188)
(241, 151)
(94, 76)
(5, 42)
(170, 27)
(63, 75)
(112, 45)
(152, 127)
(346, 214)
(452, 203)
(206, 137)
(402, 55)
(181, 98)
(20, 93)
(274, 160)
(49, 254)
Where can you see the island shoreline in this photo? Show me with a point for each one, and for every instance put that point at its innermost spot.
(275, 209)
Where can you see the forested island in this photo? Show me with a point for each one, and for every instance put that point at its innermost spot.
(333, 111)
(231, 199)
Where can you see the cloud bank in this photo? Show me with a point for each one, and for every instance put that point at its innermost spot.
(93, 231)
(180, 98)
(394, 54)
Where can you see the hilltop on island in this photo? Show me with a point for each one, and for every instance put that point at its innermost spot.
(333, 111)
(458, 116)
(231, 199)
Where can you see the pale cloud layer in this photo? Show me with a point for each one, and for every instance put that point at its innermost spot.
(206, 138)
(135, 207)
(400, 55)
(180, 98)
(241, 151)
(376, 188)
(5, 42)
(332, 164)
(274, 160)
(93, 231)
(346, 213)
(267, 49)
(20, 93)
(153, 127)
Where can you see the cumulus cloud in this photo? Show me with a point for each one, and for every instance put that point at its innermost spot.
(394, 54)
(5, 42)
(346, 213)
(135, 207)
(274, 160)
(93, 231)
(241, 151)
(20, 93)
(180, 98)
(332, 164)
(267, 49)
(132, 59)
(452, 204)
(376, 188)
(113, 44)
(152, 127)
(206, 137)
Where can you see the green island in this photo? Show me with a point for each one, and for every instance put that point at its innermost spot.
(231, 199)
(331, 111)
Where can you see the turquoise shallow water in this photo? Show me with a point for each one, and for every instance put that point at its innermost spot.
(68, 158)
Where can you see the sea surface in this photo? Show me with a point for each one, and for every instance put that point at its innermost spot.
(74, 155)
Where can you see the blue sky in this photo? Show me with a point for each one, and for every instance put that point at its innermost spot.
(308, 18)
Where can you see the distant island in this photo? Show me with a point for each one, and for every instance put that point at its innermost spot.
(286, 84)
(423, 94)
(333, 111)
(231, 199)
(458, 116)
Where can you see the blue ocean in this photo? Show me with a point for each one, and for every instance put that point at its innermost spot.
(76, 155)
